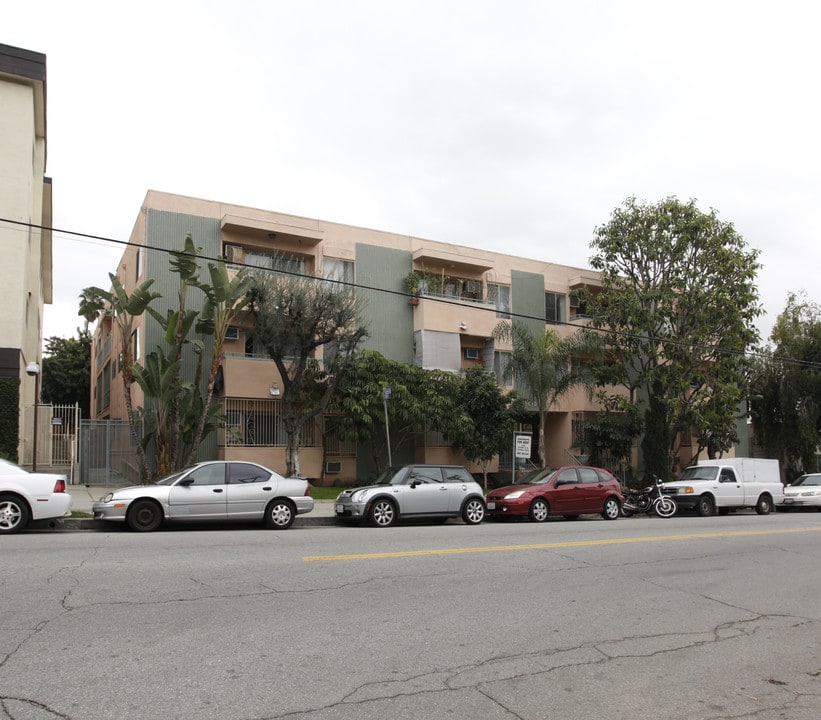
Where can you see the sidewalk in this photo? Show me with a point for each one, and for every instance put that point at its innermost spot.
(83, 496)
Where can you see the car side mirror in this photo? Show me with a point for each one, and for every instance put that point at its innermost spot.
(186, 481)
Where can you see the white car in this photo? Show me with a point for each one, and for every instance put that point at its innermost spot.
(27, 496)
(217, 490)
(804, 492)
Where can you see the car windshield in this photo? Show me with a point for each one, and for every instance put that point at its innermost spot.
(391, 476)
(698, 472)
(537, 477)
(808, 480)
(171, 479)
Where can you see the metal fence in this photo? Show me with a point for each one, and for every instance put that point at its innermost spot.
(57, 428)
(107, 454)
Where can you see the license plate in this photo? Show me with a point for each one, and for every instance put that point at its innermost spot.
(491, 506)
(340, 509)
(789, 501)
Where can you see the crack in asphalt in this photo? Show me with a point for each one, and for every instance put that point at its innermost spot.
(27, 702)
(480, 676)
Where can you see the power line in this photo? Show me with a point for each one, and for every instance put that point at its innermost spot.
(682, 344)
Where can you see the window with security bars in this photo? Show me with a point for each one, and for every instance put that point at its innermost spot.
(579, 423)
(258, 423)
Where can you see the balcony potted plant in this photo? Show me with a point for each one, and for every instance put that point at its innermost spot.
(412, 280)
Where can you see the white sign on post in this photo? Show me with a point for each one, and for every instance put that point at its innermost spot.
(523, 446)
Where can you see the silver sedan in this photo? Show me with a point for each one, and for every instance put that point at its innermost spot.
(218, 491)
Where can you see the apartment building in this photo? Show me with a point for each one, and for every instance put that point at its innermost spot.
(448, 324)
(26, 271)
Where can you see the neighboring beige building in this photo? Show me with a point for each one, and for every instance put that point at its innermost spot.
(25, 201)
(466, 294)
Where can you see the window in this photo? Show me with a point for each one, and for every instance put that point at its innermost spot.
(232, 333)
(208, 475)
(588, 475)
(340, 272)
(500, 360)
(457, 475)
(567, 477)
(242, 473)
(499, 295)
(425, 475)
(277, 261)
(554, 311)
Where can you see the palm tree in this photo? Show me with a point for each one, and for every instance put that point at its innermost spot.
(125, 308)
(92, 305)
(224, 299)
(540, 366)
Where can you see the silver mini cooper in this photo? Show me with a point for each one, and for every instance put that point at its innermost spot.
(436, 492)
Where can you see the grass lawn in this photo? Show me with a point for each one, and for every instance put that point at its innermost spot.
(325, 493)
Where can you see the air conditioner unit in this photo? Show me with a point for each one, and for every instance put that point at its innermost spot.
(234, 254)
(332, 467)
(471, 353)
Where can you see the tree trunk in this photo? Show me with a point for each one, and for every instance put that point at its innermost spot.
(656, 442)
(292, 438)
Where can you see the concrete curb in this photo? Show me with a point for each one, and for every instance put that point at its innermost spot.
(90, 525)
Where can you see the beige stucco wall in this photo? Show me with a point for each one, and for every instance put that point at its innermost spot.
(314, 239)
(25, 268)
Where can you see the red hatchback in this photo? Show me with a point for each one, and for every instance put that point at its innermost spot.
(569, 491)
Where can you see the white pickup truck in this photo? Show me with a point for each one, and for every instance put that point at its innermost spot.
(723, 485)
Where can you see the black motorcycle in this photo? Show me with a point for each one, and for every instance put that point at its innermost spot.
(649, 500)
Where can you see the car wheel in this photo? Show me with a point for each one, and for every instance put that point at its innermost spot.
(473, 511)
(764, 505)
(383, 513)
(570, 517)
(539, 511)
(706, 506)
(14, 514)
(279, 515)
(611, 509)
(144, 516)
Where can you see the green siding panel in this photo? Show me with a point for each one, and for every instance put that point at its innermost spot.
(388, 315)
(527, 299)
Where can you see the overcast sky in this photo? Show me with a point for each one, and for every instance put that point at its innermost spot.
(514, 126)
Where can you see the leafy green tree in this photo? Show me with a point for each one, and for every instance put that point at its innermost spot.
(421, 400)
(541, 366)
(492, 415)
(295, 317)
(66, 376)
(608, 437)
(785, 388)
(676, 314)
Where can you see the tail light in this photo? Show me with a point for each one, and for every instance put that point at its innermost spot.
(60, 486)
(308, 490)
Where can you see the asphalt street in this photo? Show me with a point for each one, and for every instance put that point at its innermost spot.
(688, 618)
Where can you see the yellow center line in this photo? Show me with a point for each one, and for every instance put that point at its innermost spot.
(547, 546)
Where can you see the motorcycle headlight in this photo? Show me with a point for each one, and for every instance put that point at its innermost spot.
(515, 494)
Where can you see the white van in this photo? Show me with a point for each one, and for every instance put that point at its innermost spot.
(722, 485)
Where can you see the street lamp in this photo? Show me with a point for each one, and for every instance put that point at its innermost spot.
(33, 369)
